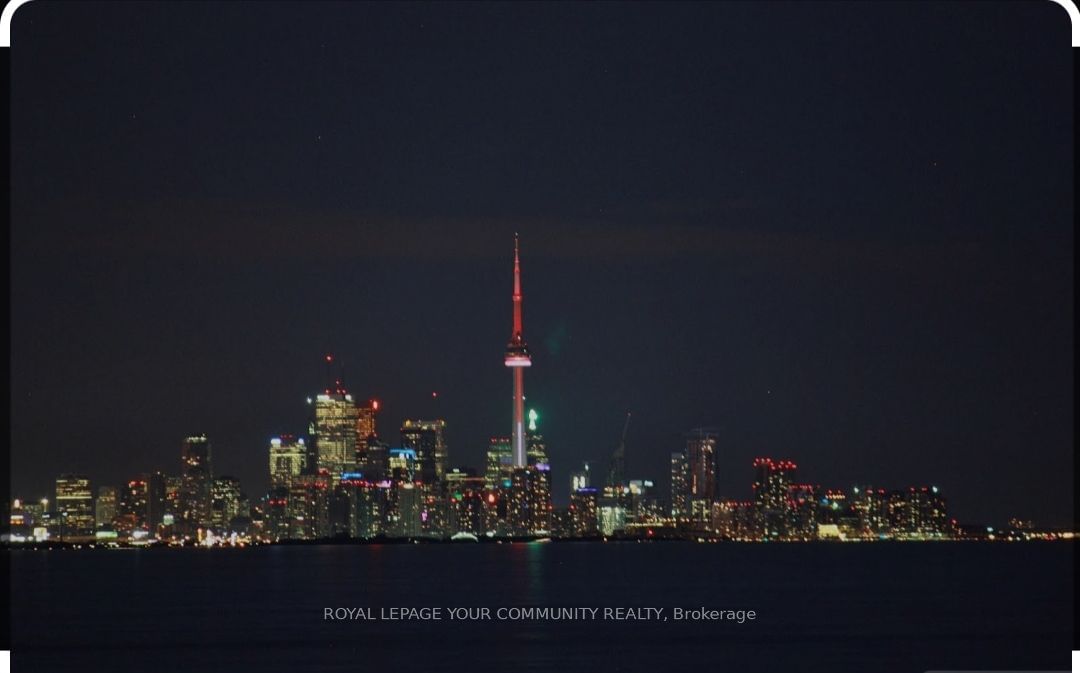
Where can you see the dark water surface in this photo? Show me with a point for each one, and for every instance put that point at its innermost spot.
(889, 607)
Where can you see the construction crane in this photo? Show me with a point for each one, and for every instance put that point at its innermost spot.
(616, 472)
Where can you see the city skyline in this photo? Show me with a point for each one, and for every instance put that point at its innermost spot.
(560, 336)
(345, 479)
(817, 280)
(336, 384)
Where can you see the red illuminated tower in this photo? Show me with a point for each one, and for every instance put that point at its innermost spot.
(517, 358)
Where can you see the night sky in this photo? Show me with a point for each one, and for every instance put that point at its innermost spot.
(839, 233)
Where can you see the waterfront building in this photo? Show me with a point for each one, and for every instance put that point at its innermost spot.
(403, 512)
(500, 463)
(584, 512)
(75, 506)
(427, 439)
(701, 470)
(680, 486)
(365, 421)
(156, 502)
(105, 506)
(581, 478)
(133, 508)
(530, 500)
(333, 429)
(772, 498)
(196, 481)
(225, 498)
(288, 459)
(402, 465)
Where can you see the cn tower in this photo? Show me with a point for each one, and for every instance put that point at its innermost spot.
(517, 358)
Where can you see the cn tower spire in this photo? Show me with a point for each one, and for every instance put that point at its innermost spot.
(517, 290)
(517, 358)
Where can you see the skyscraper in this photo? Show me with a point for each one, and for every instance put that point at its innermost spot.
(402, 465)
(701, 466)
(225, 502)
(500, 463)
(134, 506)
(772, 496)
(365, 420)
(75, 505)
(680, 486)
(403, 510)
(517, 358)
(374, 463)
(288, 459)
(196, 477)
(581, 478)
(583, 511)
(334, 429)
(530, 500)
(535, 447)
(366, 434)
(156, 491)
(173, 488)
(428, 440)
(105, 506)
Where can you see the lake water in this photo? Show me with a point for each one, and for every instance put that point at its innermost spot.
(888, 607)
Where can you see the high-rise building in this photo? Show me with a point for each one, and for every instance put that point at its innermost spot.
(733, 519)
(833, 505)
(402, 465)
(610, 512)
(288, 459)
(225, 497)
(333, 429)
(75, 506)
(772, 497)
(196, 479)
(517, 358)
(20, 521)
(369, 502)
(584, 513)
(173, 489)
(277, 513)
(916, 513)
(467, 512)
(530, 500)
(537, 450)
(434, 510)
(156, 501)
(105, 506)
(134, 506)
(365, 421)
(428, 440)
(340, 507)
(374, 463)
(701, 466)
(307, 506)
(403, 510)
(870, 507)
(642, 505)
(580, 479)
(366, 435)
(500, 463)
(680, 486)
(802, 503)
(928, 515)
